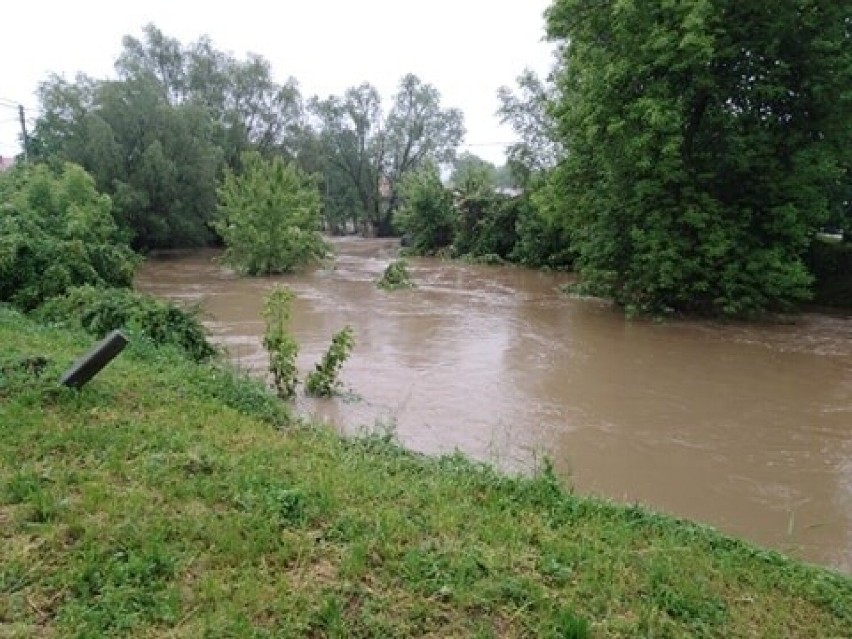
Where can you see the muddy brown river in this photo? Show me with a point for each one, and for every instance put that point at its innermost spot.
(745, 427)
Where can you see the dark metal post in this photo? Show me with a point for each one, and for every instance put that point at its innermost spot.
(25, 139)
(85, 368)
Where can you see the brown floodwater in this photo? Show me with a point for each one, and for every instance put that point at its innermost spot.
(745, 427)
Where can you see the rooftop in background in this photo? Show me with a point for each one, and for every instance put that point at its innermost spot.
(6, 163)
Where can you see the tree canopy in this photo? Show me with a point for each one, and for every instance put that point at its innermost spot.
(705, 141)
(369, 155)
(56, 233)
(269, 217)
(158, 137)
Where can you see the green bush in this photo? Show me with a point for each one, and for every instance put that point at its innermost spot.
(497, 231)
(542, 237)
(323, 381)
(831, 265)
(269, 216)
(57, 233)
(279, 342)
(396, 276)
(428, 217)
(99, 311)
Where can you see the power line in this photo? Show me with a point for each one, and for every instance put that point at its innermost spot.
(14, 104)
(488, 143)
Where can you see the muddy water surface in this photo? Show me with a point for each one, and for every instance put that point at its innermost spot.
(748, 428)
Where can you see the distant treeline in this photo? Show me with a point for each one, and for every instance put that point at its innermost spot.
(159, 137)
(681, 157)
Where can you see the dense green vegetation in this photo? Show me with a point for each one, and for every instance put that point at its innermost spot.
(56, 232)
(158, 138)
(279, 342)
(324, 380)
(681, 157)
(706, 144)
(396, 276)
(831, 263)
(99, 311)
(428, 218)
(160, 501)
(63, 259)
(269, 217)
(366, 157)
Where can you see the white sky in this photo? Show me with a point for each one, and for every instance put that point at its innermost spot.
(466, 48)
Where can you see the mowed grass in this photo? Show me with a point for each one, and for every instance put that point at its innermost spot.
(171, 500)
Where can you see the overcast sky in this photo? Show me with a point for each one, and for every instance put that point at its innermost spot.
(467, 48)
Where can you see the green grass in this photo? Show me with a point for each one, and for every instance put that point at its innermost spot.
(169, 499)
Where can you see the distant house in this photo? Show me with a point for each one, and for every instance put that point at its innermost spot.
(6, 163)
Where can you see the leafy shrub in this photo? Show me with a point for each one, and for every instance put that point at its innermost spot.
(486, 259)
(831, 265)
(279, 341)
(496, 232)
(323, 381)
(428, 217)
(99, 311)
(269, 216)
(57, 233)
(542, 239)
(396, 276)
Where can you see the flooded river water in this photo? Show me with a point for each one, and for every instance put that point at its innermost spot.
(745, 427)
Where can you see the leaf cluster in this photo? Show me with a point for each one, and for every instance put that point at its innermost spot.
(160, 323)
(705, 143)
(268, 217)
(57, 232)
(396, 277)
(279, 342)
(324, 380)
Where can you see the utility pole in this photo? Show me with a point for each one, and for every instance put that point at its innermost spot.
(24, 135)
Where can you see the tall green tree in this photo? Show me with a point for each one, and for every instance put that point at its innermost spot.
(249, 108)
(705, 139)
(350, 134)
(418, 132)
(370, 154)
(157, 138)
(527, 109)
(159, 162)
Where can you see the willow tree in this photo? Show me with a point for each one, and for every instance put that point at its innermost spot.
(705, 140)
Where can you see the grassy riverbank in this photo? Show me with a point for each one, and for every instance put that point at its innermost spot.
(169, 499)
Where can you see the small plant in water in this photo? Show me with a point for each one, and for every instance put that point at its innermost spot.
(279, 341)
(396, 276)
(323, 381)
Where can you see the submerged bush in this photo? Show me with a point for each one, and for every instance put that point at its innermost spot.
(56, 233)
(279, 342)
(269, 216)
(396, 276)
(324, 380)
(99, 311)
